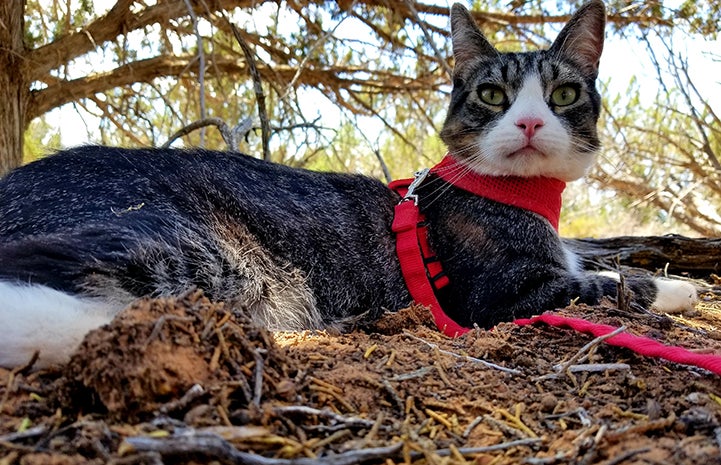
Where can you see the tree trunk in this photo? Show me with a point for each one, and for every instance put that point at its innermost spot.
(676, 254)
(13, 89)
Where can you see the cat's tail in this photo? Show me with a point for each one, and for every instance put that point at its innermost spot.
(36, 318)
(43, 306)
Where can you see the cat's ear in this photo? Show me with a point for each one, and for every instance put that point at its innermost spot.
(582, 38)
(469, 43)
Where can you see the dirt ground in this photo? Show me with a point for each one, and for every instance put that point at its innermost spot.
(187, 381)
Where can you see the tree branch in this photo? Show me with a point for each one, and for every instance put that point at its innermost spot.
(103, 106)
(62, 92)
(201, 67)
(439, 57)
(231, 136)
(121, 20)
(258, 88)
(118, 21)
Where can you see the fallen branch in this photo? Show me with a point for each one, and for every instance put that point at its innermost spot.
(211, 446)
(699, 257)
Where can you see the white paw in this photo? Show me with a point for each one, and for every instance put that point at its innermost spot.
(674, 296)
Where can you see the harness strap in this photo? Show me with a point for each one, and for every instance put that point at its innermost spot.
(421, 270)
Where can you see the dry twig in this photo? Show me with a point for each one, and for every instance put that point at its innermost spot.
(196, 391)
(231, 136)
(588, 368)
(258, 375)
(561, 368)
(348, 422)
(13, 374)
(400, 405)
(212, 446)
(464, 357)
(258, 88)
(465, 451)
(627, 455)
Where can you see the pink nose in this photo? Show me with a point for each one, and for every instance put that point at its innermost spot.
(529, 124)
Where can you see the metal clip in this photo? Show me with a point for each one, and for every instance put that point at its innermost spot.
(418, 179)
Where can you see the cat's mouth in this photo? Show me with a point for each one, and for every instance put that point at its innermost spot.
(525, 152)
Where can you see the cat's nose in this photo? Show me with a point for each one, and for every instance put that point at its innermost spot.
(529, 125)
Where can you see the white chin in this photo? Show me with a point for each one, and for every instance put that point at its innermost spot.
(531, 163)
(526, 152)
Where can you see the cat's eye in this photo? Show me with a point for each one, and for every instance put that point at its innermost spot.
(492, 95)
(564, 95)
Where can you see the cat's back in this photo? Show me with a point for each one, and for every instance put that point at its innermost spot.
(127, 170)
(105, 184)
(94, 183)
(89, 173)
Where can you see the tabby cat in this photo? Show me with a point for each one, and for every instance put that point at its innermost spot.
(88, 230)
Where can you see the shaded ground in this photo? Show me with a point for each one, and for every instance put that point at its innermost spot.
(186, 381)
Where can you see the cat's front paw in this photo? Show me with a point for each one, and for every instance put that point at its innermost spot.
(674, 296)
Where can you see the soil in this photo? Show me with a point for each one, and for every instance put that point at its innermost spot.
(187, 380)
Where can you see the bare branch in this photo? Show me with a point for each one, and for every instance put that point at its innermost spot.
(374, 112)
(201, 67)
(60, 92)
(315, 45)
(259, 95)
(103, 106)
(118, 21)
(384, 166)
(231, 136)
(422, 24)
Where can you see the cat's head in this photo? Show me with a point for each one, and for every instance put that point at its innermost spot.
(526, 114)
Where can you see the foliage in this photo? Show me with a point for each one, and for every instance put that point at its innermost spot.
(666, 156)
(40, 139)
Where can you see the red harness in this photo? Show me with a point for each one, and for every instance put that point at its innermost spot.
(423, 272)
(421, 269)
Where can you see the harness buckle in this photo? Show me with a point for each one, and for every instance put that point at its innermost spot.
(418, 178)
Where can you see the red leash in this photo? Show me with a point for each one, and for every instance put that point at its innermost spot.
(641, 345)
(423, 272)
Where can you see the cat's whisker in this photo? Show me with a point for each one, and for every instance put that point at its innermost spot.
(452, 174)
(584, 146)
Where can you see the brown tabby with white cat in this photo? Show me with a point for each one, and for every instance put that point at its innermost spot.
(86, 231)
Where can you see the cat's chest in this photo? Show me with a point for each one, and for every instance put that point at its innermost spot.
(477, 230)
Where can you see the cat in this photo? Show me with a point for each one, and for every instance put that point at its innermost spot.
(88, 230)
